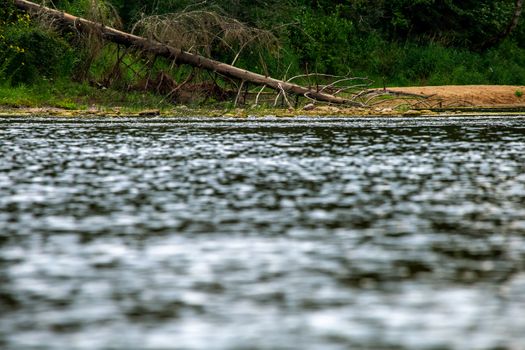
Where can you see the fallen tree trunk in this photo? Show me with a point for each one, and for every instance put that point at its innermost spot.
(179, 56)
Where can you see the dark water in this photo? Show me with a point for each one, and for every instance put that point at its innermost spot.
(262, 234)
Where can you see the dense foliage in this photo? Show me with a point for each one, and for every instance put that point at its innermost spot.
(398, 42)
(28, 52)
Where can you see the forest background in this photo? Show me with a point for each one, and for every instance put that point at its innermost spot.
(390, 42)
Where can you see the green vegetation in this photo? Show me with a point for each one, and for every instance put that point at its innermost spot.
(519, 93)
(72, 95)
(394, 43)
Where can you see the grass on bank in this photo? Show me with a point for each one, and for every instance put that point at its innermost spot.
(70, 95)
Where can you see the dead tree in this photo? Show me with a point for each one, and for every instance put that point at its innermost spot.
(180, 56)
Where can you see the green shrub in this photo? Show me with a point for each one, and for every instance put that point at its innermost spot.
(322, 42)
(29, 53)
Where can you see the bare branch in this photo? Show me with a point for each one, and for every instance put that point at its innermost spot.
(201, 30)
(259, 94)
(238, 94)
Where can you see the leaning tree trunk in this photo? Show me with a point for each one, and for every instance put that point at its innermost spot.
(518, 8)
(513, 23)
(178, 55)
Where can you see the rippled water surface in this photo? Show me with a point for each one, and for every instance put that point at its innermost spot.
(262, 234)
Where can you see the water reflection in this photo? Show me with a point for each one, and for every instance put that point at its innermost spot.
(281, 234)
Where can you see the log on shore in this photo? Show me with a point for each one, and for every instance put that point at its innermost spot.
(83, 25)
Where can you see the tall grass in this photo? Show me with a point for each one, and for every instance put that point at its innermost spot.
(405, 64)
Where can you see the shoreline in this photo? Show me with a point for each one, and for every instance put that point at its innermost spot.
(248, 114)
(390, 102)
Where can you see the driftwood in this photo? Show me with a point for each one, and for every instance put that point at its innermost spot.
(177, 55)
(384, 92)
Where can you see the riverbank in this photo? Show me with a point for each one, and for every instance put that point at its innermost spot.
(424, 100)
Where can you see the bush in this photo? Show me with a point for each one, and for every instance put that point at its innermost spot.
(322, 42)
(29, 53)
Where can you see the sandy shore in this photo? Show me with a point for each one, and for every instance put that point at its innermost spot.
(451, 96)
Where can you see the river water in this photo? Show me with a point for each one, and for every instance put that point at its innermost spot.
(262, 233)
